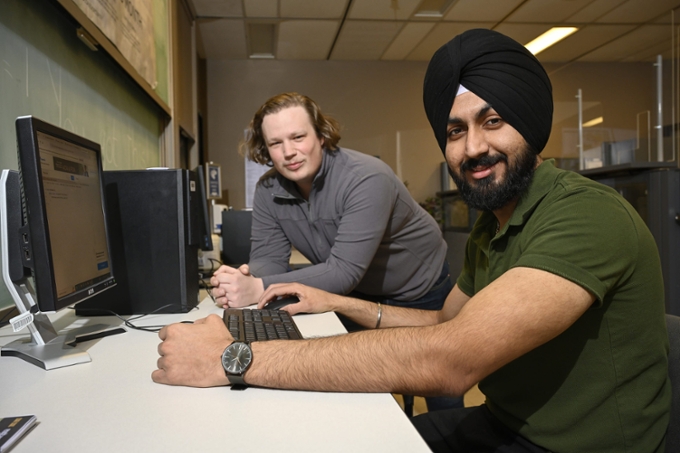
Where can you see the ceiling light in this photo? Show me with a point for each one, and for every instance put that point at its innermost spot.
(593, 122)
(549, 38)
(433, 8)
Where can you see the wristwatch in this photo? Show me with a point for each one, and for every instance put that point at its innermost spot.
(236, 359)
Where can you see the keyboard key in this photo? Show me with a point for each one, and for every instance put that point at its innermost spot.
(260, 325)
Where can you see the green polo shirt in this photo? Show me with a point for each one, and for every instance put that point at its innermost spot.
(602, 385)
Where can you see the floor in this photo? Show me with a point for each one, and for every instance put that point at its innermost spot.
(473, 397)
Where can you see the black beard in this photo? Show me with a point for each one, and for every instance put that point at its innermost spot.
(488, 195)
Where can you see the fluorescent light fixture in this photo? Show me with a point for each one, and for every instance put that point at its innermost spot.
(593, 122)
(433, 8)
(549, 38)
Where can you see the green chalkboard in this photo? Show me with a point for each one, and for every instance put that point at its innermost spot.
(47, 72)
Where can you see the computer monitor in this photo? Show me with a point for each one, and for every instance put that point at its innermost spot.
(205, 235)
(53, 229)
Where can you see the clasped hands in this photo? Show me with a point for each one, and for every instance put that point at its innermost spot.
(235, 287)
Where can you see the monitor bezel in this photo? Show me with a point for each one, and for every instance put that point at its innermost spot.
(38, 257)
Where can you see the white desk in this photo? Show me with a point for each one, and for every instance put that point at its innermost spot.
(111, 404)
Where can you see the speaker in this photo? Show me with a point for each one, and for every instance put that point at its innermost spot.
(152, 217)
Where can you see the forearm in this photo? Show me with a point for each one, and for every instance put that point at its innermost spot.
(264, 266)
(366, 313)
(393, 360)
(329, 276)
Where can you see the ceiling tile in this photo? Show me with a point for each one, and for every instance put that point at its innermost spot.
(442, 33)
(668, 18)
(364, 40)
(481, 10)
(545, 11)
(376, 30)
(596, 9)
(313, 9)
(223, 38)
(650, 54)
(384, 9)
(218, 8)
(407, 39)
(306, 39)
(261, 8)
(629, 44)
(523, 33)
(583, 41)
(636, 11)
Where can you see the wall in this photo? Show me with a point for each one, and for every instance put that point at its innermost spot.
(373, 101)
(379, 103)
(49, 73)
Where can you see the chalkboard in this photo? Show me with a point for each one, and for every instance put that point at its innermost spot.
(47, 72)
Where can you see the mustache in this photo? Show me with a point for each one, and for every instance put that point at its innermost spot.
(484, 161)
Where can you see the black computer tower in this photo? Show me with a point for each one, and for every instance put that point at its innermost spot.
(236, 226)
(153, 222)
(654, 191)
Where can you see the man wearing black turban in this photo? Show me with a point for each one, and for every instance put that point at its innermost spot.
(558, 313)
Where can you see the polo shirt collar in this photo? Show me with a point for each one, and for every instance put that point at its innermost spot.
(542, 182)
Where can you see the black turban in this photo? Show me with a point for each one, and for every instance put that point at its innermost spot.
(499, 70)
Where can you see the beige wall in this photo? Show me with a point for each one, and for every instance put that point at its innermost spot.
(379, 105)
(374, 102)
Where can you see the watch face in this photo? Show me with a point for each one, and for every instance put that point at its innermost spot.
(236, 358)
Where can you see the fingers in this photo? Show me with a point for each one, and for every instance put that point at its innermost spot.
(158, 376)
(278, 290)
(224, 269)
(210, 319)
(245, 269)
(240, 303)
(226, 286)
(187, 354)
(223, 275)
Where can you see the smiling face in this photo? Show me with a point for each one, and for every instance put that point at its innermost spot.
(295, 149)
(490, 161)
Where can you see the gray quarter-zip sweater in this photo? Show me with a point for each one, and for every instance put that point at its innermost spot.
(360, 228)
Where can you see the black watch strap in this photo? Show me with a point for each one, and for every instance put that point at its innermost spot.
(236, 379)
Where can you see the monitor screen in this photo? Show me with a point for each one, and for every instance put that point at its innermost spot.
(68, 251)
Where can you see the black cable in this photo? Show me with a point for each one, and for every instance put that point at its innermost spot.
(214, 265)
(5, 319)
(209, 290)
(213, 261)
(128, 322)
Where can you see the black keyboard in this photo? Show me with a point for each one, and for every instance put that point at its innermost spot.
(260, 325)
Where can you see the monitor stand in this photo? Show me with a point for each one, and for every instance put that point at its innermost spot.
(45, 348)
